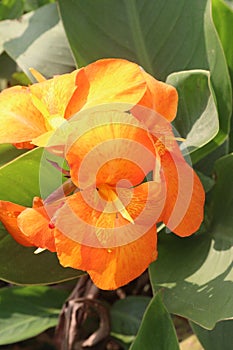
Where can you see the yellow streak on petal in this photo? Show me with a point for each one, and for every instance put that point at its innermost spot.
(157, 177)
(53, 122)
(42, 108)
(38, 76)
(110, 195)
(39, 250)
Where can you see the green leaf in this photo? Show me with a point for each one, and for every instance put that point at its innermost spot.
(126, 315)
(31, 5)
(28, 311)
(20, 181)
(7, 68)
(148, 32)
(8, 153)
(196, 273)
(221, 337)
(161, 38)
(10, 9)
(38, 40)
(197, 116)
(223, 17)
(156, 329)
(220, 78)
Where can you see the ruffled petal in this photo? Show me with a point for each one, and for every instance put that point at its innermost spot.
(19, 119)
(87, 218)
(111, 145)
(36, 225)
(9, 213)
(55, 93)
(109, 80)
(109, 268)
(161, 97)
(184, 208)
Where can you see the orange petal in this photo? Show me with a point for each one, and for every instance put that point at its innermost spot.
(109, 268)
(161, 97)
(35, 224)
(80, 95)
(8, 216)
(111, 80)
(88, 219)
(55, 93)
(185, 198)
(20, 121)
(110, 145)
(21, 145)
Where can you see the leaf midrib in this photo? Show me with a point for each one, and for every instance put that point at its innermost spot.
(137, 35)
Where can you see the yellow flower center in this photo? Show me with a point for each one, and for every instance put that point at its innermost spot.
(52, 121)
(109, 195)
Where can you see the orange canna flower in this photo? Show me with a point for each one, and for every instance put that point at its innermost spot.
(32, 114)
(106, 220)
(107, 224)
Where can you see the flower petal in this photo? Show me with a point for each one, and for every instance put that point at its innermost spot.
(109, 268)
(111, 145)
(19, 119)
(87, 218)
(161, 97)
(185, 198)
(55, 93)
(8, 216)
(110, 80)
(35, 225)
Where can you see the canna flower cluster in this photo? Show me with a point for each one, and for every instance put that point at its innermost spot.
(126, 172)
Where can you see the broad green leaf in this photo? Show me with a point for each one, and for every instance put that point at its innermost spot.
(31, 5)
(10, 9)
(38, 40)
(8, 153)
(19, 183)
(163, 39)
(28, 311)
(196, 273)
(155, 35)
(221, 337)
(223, 19)
(197, 116)
(126, 316)
(220, 78)
(157, 329)
(7, 68)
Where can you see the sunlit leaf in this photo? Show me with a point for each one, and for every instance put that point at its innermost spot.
(38, 40)
(28, 311)
(197, 272)
(197, 116)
